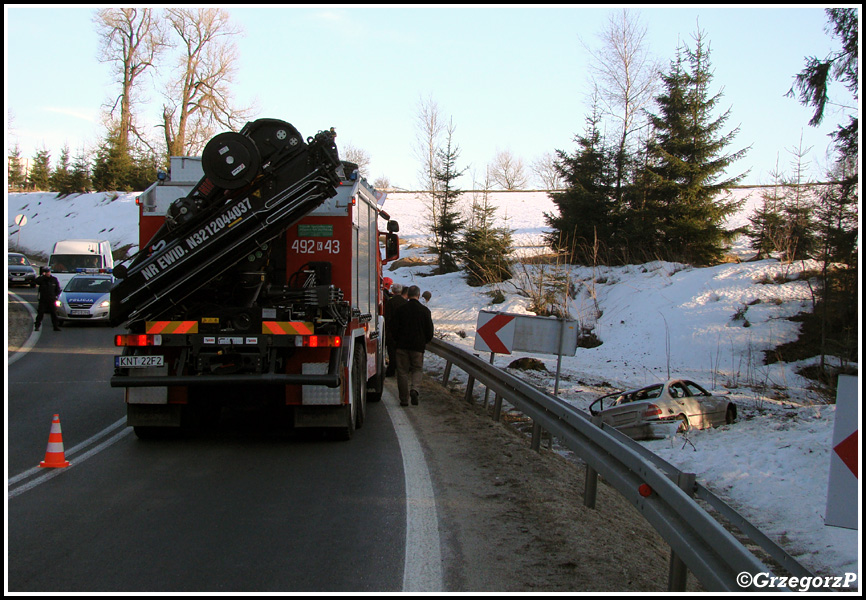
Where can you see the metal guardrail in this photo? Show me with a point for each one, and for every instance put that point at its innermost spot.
(651, 484)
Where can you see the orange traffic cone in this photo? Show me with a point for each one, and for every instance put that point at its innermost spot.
(54, 455)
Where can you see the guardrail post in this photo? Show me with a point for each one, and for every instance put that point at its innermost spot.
(469, 385)
(536, 436)
(497, 408)
(590, 487)
(678, 572)
(590, 478)
(447, 373)
(487, 388)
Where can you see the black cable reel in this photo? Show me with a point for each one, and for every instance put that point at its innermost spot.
(231, 160)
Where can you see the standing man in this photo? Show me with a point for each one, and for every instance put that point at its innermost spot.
(48, 290)
(397, 299)
(414, 328)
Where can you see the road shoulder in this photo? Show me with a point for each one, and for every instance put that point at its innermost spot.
(512, 519)
(19, 323)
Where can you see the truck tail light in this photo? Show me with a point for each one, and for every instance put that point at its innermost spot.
(321, 341)
(652, 411)
(143, 339)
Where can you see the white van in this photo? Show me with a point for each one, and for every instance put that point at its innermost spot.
(71, 257)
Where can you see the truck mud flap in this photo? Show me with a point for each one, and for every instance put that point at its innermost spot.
(154, 415)
(320, 416)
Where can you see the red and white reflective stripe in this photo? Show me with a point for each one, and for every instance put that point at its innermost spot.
(287, 327)
(154, 327)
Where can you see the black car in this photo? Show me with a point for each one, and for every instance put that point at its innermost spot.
(21, 272)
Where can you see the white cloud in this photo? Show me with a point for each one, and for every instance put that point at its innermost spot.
(83, 114)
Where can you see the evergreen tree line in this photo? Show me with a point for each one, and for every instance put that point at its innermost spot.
(662, 200)
(827, 225)
(109, 169)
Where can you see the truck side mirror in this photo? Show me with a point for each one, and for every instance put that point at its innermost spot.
(393, 227)
(392, 247)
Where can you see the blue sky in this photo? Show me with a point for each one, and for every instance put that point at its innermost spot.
(511, 78)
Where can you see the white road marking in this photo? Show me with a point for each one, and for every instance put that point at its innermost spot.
(422, 570)
(47, 474)
(31, 341)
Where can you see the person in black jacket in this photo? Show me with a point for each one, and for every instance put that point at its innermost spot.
(413, 326)
(48, 292)
(398, 298)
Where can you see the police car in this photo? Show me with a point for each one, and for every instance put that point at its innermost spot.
(85, 298)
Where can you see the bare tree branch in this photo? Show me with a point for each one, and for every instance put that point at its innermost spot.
(431, 125)
(545, 169)
(358, 156)
(199, 100)
(132, 40)
(626, 77)
(507, 171)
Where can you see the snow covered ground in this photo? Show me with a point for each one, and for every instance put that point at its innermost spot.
(654, 319)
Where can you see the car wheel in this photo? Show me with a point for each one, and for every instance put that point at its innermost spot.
(731, 414)
(684, 424)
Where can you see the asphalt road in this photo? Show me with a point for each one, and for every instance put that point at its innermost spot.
(242, 507)
(433, 498)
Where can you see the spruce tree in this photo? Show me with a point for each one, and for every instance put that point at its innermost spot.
(766, 224)
(112, 166)
(485, 247)
(15, 169)
(587, 207)
(60, 178)
(79, 177)
(39, 178)
(447, 221)
(687, 162)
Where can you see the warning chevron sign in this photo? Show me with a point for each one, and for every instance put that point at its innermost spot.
(495, 332)
(843, 491)
(505, 333)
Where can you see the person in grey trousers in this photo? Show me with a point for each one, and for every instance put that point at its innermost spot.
(413, 326)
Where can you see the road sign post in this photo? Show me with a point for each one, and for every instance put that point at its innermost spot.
(21, 221)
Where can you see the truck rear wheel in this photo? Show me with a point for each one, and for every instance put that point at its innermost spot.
(359, 389)
(376, 385)
(357, 383)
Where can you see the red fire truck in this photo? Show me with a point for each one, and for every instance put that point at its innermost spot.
(257, 285)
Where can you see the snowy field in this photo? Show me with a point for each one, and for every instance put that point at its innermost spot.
(654, 319)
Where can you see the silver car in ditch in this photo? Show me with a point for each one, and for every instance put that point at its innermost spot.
(659, 410)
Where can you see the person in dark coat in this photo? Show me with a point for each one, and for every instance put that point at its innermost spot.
(48, 291)
(398, 298)
(413, 325)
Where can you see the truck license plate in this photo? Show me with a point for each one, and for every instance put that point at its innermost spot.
(138, 362)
